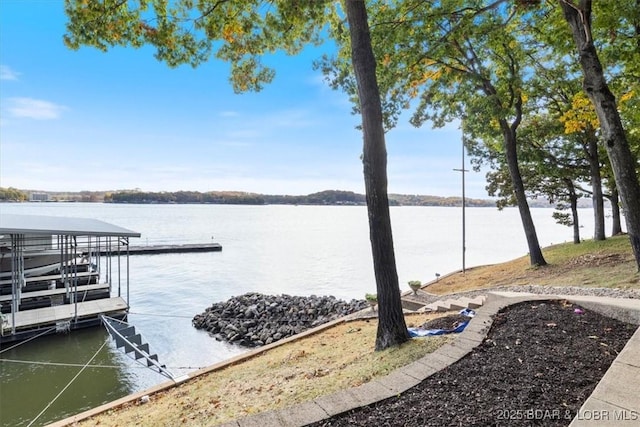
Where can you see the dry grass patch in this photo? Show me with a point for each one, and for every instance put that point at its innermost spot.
(334, 359)
(602, 264)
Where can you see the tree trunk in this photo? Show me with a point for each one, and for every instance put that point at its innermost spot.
(392, 329)
(616, 223)
(509, 136)
(575, 219)
(622, 162)
(596, 185)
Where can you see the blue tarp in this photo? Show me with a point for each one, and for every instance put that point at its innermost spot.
(418, 332)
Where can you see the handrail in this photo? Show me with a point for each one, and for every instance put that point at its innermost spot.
(140, 349)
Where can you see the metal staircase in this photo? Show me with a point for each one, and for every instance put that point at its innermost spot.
(133, 345)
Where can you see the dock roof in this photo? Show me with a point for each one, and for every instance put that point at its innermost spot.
(40, 224)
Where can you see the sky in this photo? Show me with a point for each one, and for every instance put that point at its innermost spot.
(90, 120)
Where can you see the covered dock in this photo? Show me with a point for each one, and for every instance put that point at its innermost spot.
(60, 273)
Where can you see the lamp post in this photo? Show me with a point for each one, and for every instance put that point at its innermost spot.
(463, 170)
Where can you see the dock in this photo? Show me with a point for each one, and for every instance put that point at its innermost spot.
(53, 280)
(171, 249)
(32, 322)
(58, 291)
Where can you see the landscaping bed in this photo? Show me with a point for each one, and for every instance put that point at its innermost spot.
(540, 362)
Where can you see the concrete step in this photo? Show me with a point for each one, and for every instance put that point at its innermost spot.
(454, 304)
(458, 304)
(476, 302)
(411, 304)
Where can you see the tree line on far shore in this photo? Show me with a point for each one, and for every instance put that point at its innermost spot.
(327, 197)
(12, 195)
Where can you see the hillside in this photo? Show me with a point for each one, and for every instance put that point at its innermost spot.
(327, 197)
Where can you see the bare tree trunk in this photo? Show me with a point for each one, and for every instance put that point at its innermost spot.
(616, 223)
(596, 185)
(392, 329)
(535, 253)
(575, 219)
(578, 16)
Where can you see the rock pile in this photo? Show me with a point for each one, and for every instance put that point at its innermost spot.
(254, 319)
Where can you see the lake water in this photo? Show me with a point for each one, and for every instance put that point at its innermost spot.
(296, 250)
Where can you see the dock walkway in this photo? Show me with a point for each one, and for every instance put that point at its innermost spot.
(170, 249)
(56, 277)
(57, 291)
(49, 316)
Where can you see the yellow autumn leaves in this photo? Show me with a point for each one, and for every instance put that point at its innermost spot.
(582, 114)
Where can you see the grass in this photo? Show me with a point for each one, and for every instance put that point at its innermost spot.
(337, 358)
(602, 264)
(342, 356)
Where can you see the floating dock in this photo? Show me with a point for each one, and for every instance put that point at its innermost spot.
(170, 249)
(28, 323)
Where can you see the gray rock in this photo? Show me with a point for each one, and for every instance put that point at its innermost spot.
(255, 319)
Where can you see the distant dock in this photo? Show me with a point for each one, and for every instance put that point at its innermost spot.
(172, 249)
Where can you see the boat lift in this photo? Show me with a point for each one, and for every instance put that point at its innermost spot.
(57, 273)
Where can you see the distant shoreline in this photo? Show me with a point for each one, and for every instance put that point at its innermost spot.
(322, 198)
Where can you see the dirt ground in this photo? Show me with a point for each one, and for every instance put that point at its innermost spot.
(554, 353)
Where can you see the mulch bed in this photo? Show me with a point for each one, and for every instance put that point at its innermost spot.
(540, 362)
(446, 322)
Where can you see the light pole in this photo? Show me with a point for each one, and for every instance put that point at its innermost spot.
(463, 170)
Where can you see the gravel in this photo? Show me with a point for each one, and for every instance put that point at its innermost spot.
(539, 290)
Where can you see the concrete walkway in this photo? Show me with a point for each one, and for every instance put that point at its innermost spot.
(614, 402)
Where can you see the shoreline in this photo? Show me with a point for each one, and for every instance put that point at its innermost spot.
(542, 291)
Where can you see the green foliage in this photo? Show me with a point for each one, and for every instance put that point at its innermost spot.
(240, 32)
(563, 217)
(477, 61)
(497, 67)
(438, 57)
(12, 195)
(615, 29)
(327, 197)
(238, 198)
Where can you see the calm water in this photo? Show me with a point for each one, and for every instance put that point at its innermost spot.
(297, 250)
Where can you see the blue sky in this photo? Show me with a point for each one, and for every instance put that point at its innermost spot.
(88, 120)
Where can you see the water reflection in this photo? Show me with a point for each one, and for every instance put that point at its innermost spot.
(28, 388)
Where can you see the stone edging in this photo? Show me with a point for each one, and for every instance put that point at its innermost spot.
(403, 378)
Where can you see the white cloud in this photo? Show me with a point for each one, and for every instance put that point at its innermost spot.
(6, 73)
(34, 108)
